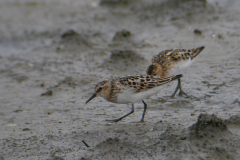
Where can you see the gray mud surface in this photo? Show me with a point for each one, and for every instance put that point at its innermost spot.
(53, 52)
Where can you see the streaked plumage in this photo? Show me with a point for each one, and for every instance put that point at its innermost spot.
(171, 62)
(131, 89)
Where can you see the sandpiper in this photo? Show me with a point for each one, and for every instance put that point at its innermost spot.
(171, 62)
(131, 89)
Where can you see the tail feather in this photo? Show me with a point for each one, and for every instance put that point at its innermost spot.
(163, 80)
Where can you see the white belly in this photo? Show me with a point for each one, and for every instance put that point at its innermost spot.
(129, 97)
(179, 67)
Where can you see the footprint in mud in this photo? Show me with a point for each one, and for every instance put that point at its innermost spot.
(125, 39)
(208, 138)
(208, 126)
(123, 62)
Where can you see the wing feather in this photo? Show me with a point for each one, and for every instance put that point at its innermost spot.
(176, 54)
(143, 82)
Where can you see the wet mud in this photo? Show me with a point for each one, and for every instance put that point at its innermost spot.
(53, 53)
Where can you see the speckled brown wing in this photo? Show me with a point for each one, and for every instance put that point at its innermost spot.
(143, 82)
(176, 55)
(161, 56)
(132, 82)
(157, 81)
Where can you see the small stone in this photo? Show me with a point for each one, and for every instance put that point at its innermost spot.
(26, 129)
(197, 32)
(47, 93)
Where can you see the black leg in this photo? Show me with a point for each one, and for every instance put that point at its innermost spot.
(180, 89)
(179, 82)
(144, 111)
(119, 119)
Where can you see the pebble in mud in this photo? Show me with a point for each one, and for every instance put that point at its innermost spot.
(114, 2)
(197, 32)
(47, 93)
(69, 33)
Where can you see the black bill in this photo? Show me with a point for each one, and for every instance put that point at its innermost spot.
(93, 96)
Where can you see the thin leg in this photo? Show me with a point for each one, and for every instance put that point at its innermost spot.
(119, 119)
(180, 89)
(144, 111)
(179, 82)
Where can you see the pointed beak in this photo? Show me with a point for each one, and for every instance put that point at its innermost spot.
(93, 96)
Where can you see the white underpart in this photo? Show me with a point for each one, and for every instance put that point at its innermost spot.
(130, 97)
(180, 67)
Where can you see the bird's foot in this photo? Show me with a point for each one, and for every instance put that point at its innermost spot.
(181, 93)
(114, 120)
(142, 121)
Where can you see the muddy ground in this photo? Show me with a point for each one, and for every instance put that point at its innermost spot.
(52, 54)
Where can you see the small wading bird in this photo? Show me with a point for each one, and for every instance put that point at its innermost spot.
(131, 89)
(171, 62)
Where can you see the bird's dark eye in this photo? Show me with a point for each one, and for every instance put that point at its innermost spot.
(100, 88)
